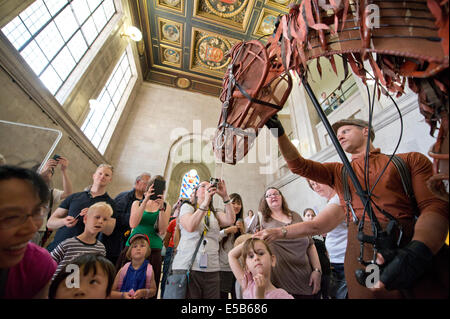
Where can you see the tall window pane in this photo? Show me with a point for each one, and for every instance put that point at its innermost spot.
(81, 10)
(67, 24)
(53, 35)
(107, 103)
(55, 5)
(35, 16)
(35, 57)
(77, 46)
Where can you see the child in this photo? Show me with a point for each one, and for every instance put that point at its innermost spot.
(135, 280)
(95, 219)
(254, 277)
(25, 268)
(94, 279)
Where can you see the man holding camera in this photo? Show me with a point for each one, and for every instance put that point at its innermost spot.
(68, 217)
(56, 195)
(403, 272)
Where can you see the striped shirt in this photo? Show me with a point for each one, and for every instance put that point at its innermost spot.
(72, 248)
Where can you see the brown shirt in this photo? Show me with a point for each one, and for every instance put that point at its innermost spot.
(293, 269)
(388, 195)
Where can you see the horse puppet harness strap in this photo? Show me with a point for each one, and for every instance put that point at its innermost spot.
(248, 105)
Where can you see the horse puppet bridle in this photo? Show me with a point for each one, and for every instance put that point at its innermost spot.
(412, 43)
(247, 106)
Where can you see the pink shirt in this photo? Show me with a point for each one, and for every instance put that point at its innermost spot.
(31, 274)
(249, 292)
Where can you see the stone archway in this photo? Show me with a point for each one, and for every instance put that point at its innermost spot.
(186, 153)
(176, 177)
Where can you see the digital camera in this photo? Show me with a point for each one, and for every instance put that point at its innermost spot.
(214, 181)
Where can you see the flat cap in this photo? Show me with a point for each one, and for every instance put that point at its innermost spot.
(355, 122)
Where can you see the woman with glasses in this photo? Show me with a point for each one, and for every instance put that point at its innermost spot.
(25, 268)
(298, 268)
(202, 218)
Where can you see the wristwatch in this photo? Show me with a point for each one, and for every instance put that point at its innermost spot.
(318, 270)
(284, 231)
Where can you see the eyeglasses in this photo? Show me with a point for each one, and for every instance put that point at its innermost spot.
(16, 219)
(272, 195)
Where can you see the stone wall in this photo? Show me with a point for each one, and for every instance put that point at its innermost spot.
(150, 141)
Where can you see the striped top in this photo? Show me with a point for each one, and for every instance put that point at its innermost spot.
(71, 248)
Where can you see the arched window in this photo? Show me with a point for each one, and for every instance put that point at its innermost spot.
(189, 182)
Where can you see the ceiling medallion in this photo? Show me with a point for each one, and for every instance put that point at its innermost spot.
(171, 32)
(171, 56)
(268, 24)
(183, 83)
(211, 52)
(226, 8)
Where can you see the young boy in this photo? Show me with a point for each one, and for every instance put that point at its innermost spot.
(95, 219)
(95, 279)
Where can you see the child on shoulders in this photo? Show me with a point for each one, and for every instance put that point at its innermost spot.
(254, 277)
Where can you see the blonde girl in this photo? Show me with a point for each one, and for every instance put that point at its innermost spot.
(254, 276)
(135, 280)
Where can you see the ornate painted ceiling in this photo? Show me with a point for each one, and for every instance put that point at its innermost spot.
(185, 41)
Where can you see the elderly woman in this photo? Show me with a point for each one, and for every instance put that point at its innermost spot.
(202, 217)
(298, 268)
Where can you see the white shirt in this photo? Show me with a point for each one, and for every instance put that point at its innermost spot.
(336, 241)
(189, 240)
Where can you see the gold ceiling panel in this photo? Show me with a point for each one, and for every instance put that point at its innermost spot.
(266, 22)
(208, 52)
(170, 55)
(230, 13)
(170, 32)
(188, 39)
(280, 4)
(175, 5)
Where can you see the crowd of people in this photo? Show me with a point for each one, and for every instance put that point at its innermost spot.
(59, 244)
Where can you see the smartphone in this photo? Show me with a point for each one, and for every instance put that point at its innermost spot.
(77, 215)
(56, 157)
(158, 188)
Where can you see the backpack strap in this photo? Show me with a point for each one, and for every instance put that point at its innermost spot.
(122, 273)
(405, 175)
(148, 276)
(347, 195)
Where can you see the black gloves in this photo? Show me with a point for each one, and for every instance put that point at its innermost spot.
(275, 127)
(408, 265)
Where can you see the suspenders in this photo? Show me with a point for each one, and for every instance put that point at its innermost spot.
(381, 239)
(405, 176)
